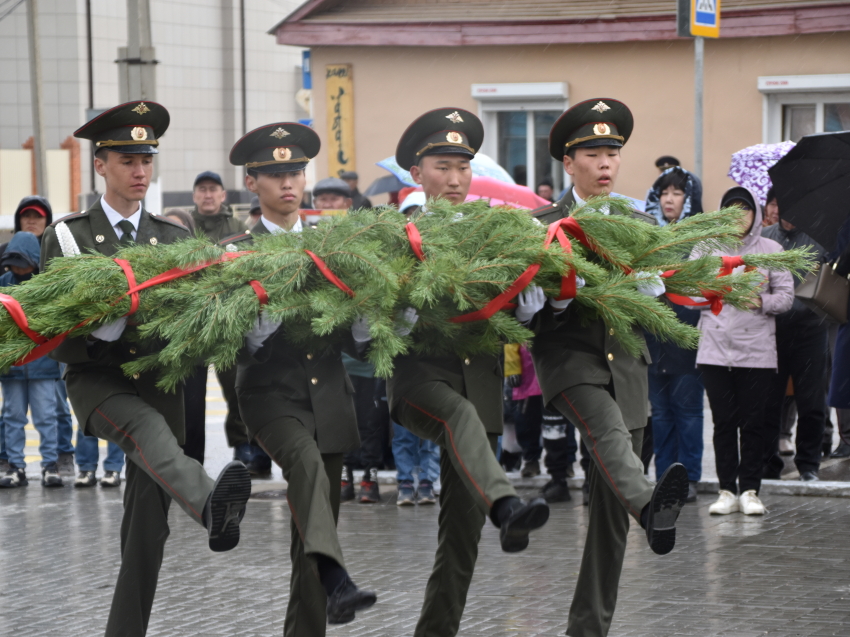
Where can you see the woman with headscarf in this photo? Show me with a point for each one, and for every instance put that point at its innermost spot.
(737, 357)
(675, 383)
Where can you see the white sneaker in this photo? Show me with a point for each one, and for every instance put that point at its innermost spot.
(727, 503)
(750, 503)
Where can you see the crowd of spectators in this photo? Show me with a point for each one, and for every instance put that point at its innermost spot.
(763, 371)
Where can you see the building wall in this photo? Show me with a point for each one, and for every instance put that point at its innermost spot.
(393, 85)
(198, 79)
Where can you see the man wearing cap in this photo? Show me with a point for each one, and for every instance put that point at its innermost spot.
(331, 193)
(146, 422)
(297, 404)
(456, 402)
(254, 212)
(217, 221)
(358, 199)
(588, 377)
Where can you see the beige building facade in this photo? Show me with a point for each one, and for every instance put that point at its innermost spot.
(761, 87)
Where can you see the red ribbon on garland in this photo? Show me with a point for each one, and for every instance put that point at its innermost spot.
(715, 301)
(415, 240)
(330, 276)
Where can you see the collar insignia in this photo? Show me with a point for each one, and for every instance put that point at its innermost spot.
(141, 109)
(601, 107)
(279, 133)
(454, 118)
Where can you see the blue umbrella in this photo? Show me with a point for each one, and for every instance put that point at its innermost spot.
(482, 165)
(387, 183)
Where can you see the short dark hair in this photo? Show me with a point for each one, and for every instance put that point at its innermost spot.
(676, 177)
(102, 153)
(545, 182)
(771, 195)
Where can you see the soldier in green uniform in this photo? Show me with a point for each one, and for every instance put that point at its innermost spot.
(145, 422)
(216, 220)
(456, 402)
(590, 379)
(297, 404)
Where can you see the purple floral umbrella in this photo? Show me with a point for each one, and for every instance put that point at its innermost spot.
(749, 166)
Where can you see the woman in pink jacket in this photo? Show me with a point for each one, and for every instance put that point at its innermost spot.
(737, 357)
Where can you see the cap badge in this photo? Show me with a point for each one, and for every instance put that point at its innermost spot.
(280, 133)
(100, 238)
(454, 118)
(141, 109)
(139, 133)
(601, 129)
(282, 154)
(454, 137)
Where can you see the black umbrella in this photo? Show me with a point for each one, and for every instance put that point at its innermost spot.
(387, 183)
(812, 185)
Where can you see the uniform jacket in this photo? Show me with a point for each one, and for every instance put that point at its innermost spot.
(478, 378)
(737, 338)
(316, 386)
(219, 225)
(569, 351)
(94, 370)
(25, 244)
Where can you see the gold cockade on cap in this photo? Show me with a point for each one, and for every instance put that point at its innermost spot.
(601, 129)
(454, 137)
(282, 154)
(139, 133)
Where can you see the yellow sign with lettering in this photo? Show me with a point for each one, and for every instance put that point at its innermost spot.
(339, 88)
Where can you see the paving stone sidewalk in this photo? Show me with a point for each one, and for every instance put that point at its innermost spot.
(787, 574)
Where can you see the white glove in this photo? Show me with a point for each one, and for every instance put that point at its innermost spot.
(360, 330)
(530, 301)
(111, 331)
(405, 320)
(560, 306)
(259, 334)
(651, 284)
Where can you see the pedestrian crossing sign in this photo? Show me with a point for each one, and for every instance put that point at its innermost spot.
(705, 18)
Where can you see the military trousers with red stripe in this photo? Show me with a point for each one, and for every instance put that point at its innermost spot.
(157, 472)
(618, 489)
(471, 481)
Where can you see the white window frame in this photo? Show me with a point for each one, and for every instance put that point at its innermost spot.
(778, 91)
(525, 96)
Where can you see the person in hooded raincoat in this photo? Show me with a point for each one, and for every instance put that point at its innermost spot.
(738, 361)
(675, 383)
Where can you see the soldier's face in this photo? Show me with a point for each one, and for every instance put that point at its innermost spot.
(127, 176)
(279, 193)
(445, 176)
(594, 170)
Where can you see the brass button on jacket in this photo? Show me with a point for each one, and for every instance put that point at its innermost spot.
(132, 350)
(611, 331)
(136, 376)
(309, 357)
(315, 381)
(610, 357)
(466, 361)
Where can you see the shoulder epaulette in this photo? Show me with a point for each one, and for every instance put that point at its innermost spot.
(71, 217)
(162, 219)
(242, 236)
(643, 216)
(545, 210)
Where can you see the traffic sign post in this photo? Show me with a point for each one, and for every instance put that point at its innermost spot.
(698, 19)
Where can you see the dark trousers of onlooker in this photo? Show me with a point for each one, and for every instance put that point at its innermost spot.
(559, 441)
(737, 396)
(677, 421)
(802, 355)
(234, 427)
(195, 403)
(373, 420)
(528, 419)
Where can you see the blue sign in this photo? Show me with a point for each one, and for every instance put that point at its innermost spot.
(306, 75)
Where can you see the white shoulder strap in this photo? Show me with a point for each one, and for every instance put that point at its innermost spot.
(66, 240)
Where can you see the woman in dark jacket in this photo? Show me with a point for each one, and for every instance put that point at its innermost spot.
(33, 215)
(675, 384)
(839, 386)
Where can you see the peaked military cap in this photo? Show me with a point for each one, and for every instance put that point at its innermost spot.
(597, 122)
(439, 132)
(131, 128)
(284, 147)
